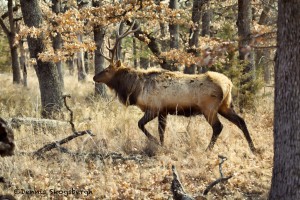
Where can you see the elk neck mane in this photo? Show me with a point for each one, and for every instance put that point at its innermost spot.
(128, 83)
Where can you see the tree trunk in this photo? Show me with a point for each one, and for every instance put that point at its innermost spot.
(194, 33)
(11, 35)
(134, 50)
(163, 41)
(15, 61)
(13, 48)
(263, 56)
(174, 31)
(22, 58)
(206, 17)
(99, 34)
(245, 55)
(23, 63)
(163, 32)
(265, 12)
(50, 88)
(80, 63)
(119, 47)
(70, 64)
(286, 170)
(174, 28)
(144, 59)
(86, 62)
(57, 44)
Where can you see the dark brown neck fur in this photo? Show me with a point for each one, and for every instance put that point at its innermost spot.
(127, 84)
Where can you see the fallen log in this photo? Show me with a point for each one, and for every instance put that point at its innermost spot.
(36, 123)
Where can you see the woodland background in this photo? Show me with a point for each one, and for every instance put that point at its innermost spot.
(237, 38)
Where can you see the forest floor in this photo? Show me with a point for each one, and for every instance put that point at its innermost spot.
(146, 174)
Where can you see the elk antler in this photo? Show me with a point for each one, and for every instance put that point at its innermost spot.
(113, 50)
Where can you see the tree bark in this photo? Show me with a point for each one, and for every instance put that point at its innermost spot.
(70, 64)
(245, 55)
(194, 33)
(80, 63)
(86, 62)
(11, 35)
(286, 170)
(23, 63)
(206, 17)
(174, 31)
(57, 44)
(263, 56)
(144, 59)
(119, 46)
(174, 28)
(134, 50)
(15, 61)
(99, 33)
(263, 19)
(50, 88)
(13, 47)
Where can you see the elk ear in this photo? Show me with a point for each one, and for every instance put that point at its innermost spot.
(118, 64)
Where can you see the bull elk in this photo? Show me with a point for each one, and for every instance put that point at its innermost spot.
(160, 92)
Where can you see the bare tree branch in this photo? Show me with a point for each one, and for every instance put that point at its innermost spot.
(71, 112)
(15, 8)
(5, 29)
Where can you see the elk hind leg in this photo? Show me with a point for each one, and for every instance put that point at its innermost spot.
(233, 117)
(162, 122)
(148, 116)
(216, 125)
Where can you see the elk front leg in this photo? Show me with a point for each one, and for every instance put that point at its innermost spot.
(162, 122)
(148, 116)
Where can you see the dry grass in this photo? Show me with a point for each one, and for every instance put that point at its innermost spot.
(116, 131)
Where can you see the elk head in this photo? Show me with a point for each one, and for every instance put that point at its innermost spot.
(107, 74)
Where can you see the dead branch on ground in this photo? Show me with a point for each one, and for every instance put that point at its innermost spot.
(103, 156)
(219, 180)
(57, 144)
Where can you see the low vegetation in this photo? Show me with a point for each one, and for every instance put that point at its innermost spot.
(143, 171)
